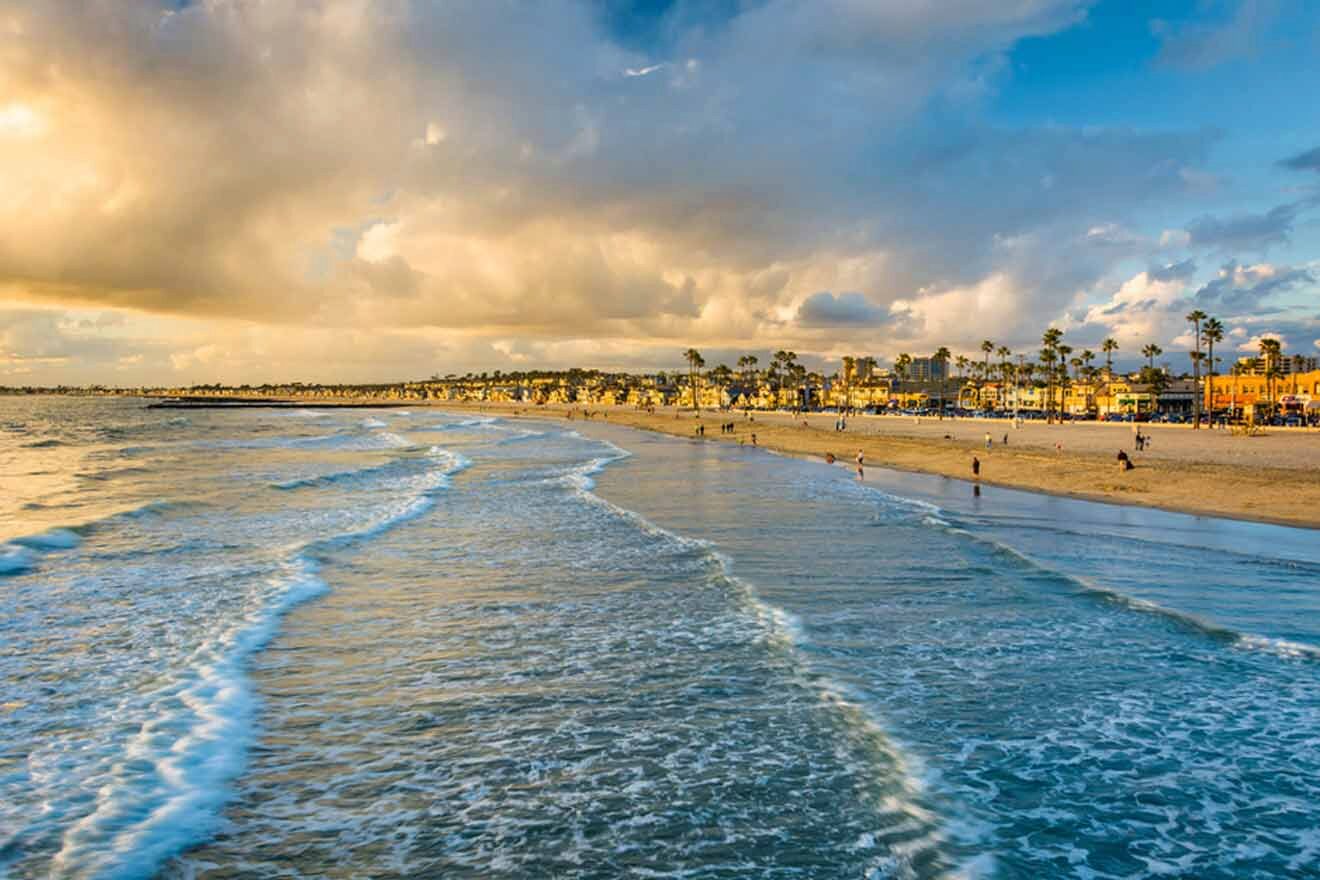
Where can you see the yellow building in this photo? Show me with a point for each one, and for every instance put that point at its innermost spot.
(863, 394)
(1253, 395)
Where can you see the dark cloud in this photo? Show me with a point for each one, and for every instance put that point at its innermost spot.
(1244, 289)
(1245, 232)
(824, 309)
(1307, 161)
(533, 188)
(1173, 271)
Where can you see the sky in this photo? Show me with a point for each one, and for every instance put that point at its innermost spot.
(197, 191)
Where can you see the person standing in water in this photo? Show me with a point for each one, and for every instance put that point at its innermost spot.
(861, 460)
(976, 466)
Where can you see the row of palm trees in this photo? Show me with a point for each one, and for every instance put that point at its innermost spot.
(1059, 365)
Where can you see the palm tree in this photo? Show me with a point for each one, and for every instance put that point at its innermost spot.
(1195, 317)
(866, 366)
(1003, 353)
(695, 363)
(1212, 332)
(1109, 346)
(1049, 356)
(848, 374)
(987, 348)
(941, 357)
(1064, 380)
(1151, 352)
(901, 365)
(1271, 352)
(747, 366)
(782, 363)
(721, 376)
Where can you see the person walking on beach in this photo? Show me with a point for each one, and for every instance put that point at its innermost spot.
(988, 441)
(861, 460)
(976, 466)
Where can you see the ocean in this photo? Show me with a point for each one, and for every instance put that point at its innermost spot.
(415, 643)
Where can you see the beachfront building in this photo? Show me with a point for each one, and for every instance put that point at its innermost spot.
(868, 393)
(1255, 395)
(1126, 397)
(928, 369)
(1286, 365)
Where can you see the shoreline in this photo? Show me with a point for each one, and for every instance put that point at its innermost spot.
(1233, 492)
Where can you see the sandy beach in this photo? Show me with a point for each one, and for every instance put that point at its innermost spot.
(1272, 478)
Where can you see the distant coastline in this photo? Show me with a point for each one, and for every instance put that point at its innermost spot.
(1271, 479)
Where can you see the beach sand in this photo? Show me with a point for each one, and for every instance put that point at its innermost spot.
(1273, 478)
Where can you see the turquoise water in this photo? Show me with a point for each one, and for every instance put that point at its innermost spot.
(388, 643)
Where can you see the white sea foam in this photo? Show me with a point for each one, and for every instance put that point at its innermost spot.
(1236, 638)
(54, 539)
(166, 790)
(372, 423)
(786, 629)
(14, 560)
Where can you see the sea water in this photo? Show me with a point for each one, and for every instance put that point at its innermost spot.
(309, 643)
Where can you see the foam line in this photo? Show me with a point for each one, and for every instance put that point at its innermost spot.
(175, 774)
(785, 630)
(1211, 629)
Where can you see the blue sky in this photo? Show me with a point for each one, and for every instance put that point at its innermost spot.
(225, 191)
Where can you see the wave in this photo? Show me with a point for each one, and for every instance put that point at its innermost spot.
(1054, 527)
(167, 792)
(1211, 629)
(169, 789)
(348, 441)
(355, 475)
(22, 553)
(482, 422)
(53, 539)
(785, 630)
(43, 444)
(522, 435)
(14, 560)
(372, 423)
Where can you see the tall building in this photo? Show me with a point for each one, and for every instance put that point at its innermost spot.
(1288, 364)
(926, 369)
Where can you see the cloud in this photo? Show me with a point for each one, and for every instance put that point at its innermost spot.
(1306, 161)
(824, 309)
(1145, 308)
(1246, 231)
(1242, 289)
(1252, 345)
(1173, 271)
(460, 172)
(1202, 44)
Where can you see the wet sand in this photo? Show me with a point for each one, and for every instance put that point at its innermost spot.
(1272, 478)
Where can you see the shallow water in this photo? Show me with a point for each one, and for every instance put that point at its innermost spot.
(273, 643)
